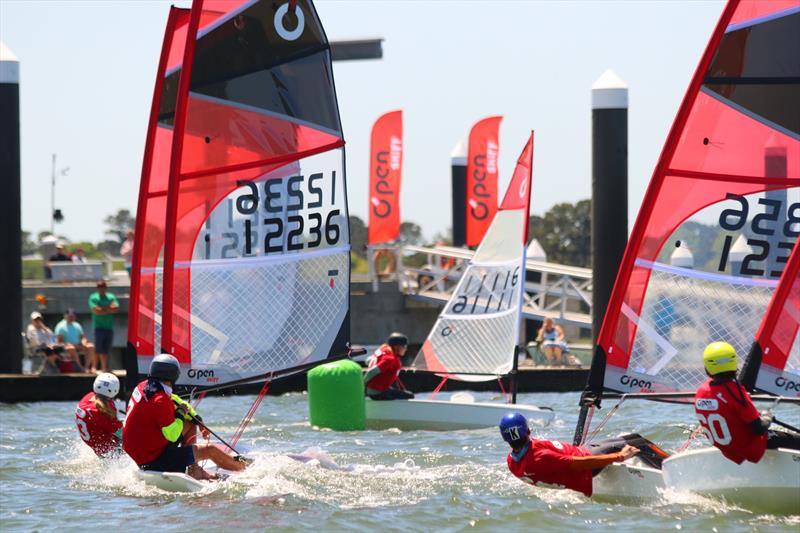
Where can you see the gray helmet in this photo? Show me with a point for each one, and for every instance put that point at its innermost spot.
(165, 367)
(397, 339)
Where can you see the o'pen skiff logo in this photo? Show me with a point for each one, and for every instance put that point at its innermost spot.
(283, 31)
(706, 404)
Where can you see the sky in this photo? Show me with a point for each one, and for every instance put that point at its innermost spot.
(87, 71)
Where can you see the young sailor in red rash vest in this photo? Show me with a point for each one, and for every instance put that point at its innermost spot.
(383, 368)
(158, 432)
(96, 416)
(561, 465)
(727, 414)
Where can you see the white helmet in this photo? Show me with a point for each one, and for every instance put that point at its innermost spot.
(106, 385)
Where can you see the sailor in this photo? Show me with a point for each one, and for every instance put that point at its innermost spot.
(96, 416)
(160, 427)
(562, 465)
(727, 414)
(383, 367)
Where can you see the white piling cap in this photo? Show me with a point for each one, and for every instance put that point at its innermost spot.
(9, 65)
(682, 257)
(536, 252)
(458, 156)
(609, 92)
(739, 250)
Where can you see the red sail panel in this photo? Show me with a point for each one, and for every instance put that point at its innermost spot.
(257, 176)
(712, 178)
(385, 172)
(145, 292)
(777, 339)
(482, 164)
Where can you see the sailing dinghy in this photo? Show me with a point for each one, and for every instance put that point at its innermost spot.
(772, 367)
(716, 170)
(475, 337)
(245, 192)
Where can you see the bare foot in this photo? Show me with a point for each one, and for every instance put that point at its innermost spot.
(197, 472)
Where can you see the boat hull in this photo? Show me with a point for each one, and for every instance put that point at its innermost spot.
(771, 485)
(171, 481)
(440, 415)
(627, 482)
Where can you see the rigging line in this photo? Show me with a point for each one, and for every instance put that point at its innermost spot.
(503, 389)
(603, 422)
(251, 412)
(438, 388)
(693, 435)
(587, 425)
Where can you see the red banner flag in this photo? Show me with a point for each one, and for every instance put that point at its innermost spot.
(484, 148)
(385, 167)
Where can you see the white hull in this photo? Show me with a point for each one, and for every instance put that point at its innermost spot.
(171, 481)
(440, 415)
(771, 485)
(624, 481)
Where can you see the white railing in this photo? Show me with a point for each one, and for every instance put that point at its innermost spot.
(553, 291)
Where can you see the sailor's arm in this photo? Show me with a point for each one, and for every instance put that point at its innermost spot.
(593, 462)
(371, 373)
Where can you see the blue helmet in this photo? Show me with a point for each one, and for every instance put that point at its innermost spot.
(514, 427)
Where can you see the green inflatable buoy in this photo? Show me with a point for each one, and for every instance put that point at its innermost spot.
(336, 396)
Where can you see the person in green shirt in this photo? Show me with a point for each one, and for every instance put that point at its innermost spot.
(103, 305)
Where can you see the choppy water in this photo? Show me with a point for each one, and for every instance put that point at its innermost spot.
(362, 481)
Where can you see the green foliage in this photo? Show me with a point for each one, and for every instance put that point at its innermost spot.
(108, 247)
(28, 246)
(120, 224)
(410, 233)
(565, 233)
(358, 236)
(358, 264)
(89, 249)
(33, 269)
(703, 240)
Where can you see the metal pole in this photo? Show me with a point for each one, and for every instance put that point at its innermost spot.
(458, 165)
(10, 216)
(609, 188)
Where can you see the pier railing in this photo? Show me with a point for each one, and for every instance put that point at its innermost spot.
(424, 273)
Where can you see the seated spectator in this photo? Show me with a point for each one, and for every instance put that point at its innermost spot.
(60, 254)
(50, 363)
(42, 338)
(69, 332)
(126, 251)
(79, 256)
(553, 341)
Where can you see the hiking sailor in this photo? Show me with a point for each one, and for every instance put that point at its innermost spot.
(96, 416)
(383, 367)
(727, 414)
(562, 465)
(159, 431)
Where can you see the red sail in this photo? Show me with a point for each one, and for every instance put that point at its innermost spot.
(482, 162)
(777, 345)
(385, 169)
(144, 315)
(713, 174)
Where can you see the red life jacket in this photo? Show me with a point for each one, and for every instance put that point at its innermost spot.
(97, 429)
(726, 411)
(389, 364)
(547, 463)
(141, 436)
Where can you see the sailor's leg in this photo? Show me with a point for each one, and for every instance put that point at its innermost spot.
(782, 439)
(219, 457)
(649, 452)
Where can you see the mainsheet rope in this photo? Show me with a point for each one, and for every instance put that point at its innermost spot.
(251, 412)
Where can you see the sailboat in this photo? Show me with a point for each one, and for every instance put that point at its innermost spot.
(715, 170)
(772, 367)
(475, 336)
(243, 194)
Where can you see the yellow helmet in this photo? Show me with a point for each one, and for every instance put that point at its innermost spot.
(719, 357)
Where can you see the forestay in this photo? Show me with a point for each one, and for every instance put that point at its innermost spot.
(144, 315)
(726, 185)
(476, 333)
(773, 364)
(256, 263)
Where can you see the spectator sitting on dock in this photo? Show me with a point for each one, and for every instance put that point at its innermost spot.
(60, 254)
(39, 337)
(50, 362)
(79, 256)
(70, 333)
(383, 369)
(103, 305)
(553, 342)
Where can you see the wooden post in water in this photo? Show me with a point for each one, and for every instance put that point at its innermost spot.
(609, 188)
(10, 214)
(458, 165)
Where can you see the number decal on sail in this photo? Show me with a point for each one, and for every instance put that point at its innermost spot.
(715, 428)
(487, 290)
(765, 223)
